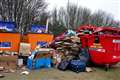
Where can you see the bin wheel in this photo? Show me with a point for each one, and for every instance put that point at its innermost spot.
(107, 66)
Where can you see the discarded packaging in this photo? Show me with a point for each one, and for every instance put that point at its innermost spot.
(25, 73)
(25, 48)
(2, 68)
(68, 49)
(88, 69)
(2, 76)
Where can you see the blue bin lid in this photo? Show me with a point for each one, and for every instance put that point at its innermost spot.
(38, 28)
(8, 26)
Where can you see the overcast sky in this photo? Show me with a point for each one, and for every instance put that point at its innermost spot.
(110, 6)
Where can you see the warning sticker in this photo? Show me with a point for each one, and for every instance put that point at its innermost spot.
(116, 41)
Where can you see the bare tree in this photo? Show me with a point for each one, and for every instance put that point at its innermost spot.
(101, 18)
(73, 16)
(23, 12)
(56, 26)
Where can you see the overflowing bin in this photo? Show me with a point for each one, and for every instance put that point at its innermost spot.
(103, 45)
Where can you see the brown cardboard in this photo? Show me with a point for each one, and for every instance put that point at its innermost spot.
(25, 48)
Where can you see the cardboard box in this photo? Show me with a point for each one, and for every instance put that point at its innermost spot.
(25, 48)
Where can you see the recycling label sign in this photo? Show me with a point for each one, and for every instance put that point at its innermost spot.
(116, 41)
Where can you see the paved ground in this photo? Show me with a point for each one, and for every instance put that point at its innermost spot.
(54, 74)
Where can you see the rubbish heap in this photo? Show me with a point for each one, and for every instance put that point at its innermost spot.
(69, 54)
